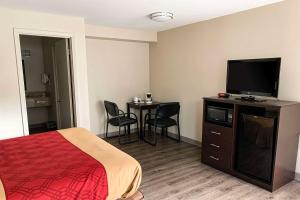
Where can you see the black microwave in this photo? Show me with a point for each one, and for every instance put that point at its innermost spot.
(219, 115)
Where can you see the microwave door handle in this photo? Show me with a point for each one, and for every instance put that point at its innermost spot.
(227, 116)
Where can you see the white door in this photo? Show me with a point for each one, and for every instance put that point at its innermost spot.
(64, 100)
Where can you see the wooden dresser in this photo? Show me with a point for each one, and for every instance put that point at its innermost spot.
(222, 144)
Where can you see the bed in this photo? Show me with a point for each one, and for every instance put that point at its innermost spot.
(123, 173)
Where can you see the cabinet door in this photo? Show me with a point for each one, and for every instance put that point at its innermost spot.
(255, 146)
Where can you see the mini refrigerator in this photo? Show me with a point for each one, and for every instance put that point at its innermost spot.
(255, 146)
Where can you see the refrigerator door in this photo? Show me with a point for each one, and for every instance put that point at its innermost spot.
(255, 146)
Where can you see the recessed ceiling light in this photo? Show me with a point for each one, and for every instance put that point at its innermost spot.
(161, 16)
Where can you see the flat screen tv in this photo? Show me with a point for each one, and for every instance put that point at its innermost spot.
(254, 77)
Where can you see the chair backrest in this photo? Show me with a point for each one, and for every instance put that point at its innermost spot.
(166, 110)
(111, 108)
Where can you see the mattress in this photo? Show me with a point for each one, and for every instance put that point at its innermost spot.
(123, 172)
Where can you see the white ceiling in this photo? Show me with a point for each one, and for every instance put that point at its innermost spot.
(134, 13)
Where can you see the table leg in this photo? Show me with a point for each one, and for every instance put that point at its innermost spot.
(141, 124)
(149, 126)
(128, 127)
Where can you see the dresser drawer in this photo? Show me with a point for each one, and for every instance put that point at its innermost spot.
(218, 140)
(218, 159)
(217, 146)
(217, 133)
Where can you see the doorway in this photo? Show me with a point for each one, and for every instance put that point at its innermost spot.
(48, 82)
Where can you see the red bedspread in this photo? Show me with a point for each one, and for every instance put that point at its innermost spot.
(47, 166)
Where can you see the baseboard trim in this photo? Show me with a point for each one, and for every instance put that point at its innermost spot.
(186, 139)
(115, 133)
(183, 138)
(297, 176)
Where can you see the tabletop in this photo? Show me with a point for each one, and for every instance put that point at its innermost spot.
(143, 105)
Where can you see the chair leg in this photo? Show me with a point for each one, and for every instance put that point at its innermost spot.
(106, 132)
(175, 138)
(144, 131)
(128, 136)
(154, 135)
(119, 134)
(178, 128)
(110, 137)
(138, 131)
(149, 129)
(155, 139)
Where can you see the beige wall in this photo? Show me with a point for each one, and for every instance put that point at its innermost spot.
(117, 71)
(10, 107)
(95, 31)
(189, 62)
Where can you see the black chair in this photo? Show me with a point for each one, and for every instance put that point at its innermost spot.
(163, 119)
(117, 117)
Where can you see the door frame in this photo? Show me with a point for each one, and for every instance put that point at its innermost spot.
(39, 33)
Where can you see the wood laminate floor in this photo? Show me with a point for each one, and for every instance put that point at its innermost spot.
(173, 171)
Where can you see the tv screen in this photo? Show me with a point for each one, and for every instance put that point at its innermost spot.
(253, 77)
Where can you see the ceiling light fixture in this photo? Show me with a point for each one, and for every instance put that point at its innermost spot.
(161, 16)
